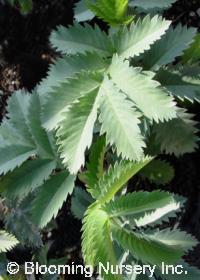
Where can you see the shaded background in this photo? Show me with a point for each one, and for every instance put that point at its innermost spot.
(25, 55)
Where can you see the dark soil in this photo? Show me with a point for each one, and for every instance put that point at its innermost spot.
(25, 55)
(186, 12)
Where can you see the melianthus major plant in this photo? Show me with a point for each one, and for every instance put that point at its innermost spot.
(123, 228)
(119, 86)
(117, 77)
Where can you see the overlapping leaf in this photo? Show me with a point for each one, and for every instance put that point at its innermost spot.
(168, 48)
(120, 122)
(97, 245)
(147, 249)
(79, 39)
(153, 5)
(116, 177)
(82, 13)
(26, 178)
(18, 221)
(62, 97)
(95, 166)
(22, 134)
(7, 131)
(39, 135)
(175, 238)
(50, 198)
(192, 54)
(138, 202)
(134, 40)
(31, 159)
(76, 130)
(158, 171)
(12, 156)
(158, 216)
(149, 97)
(17, 109)
(81, 200)
(67, 67)
(182, 82)
(177, 136)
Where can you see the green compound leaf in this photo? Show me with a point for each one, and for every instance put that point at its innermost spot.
(110, 217)
(50, 198)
